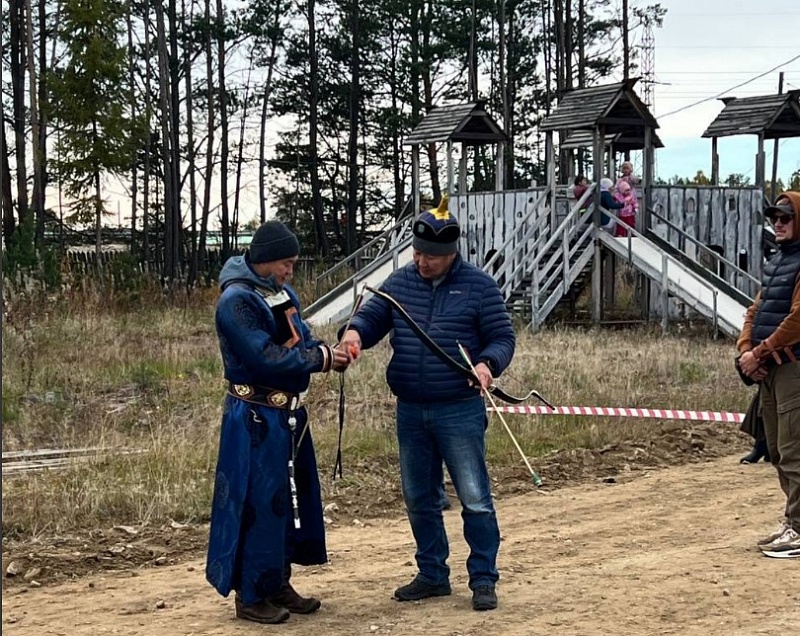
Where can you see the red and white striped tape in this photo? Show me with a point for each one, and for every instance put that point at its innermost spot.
(659, 414)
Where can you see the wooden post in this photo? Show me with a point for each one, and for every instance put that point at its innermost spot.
(498, 171)
(664, 292)
(597, 164)
(760, 162)
(450, 167)
(462, 170)
(773, 191)
(550, 158)
(647, 179)
(643, 222)
(611, 163)
(415, 178)
(714, 162)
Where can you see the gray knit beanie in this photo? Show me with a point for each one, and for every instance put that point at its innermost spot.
(273, 241)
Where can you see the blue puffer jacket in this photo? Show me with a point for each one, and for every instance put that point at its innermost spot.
(466, 307)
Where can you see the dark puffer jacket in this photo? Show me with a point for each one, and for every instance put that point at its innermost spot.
(465, 307)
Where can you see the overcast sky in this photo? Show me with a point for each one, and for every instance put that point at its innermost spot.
(706, 48)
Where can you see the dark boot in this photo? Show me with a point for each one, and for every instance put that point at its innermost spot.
(292, 601)
(288, 597)
(758, 451)
(263, 612)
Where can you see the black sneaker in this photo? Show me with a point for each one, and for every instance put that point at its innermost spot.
(484, 598)
(418, 589)
(758, 451)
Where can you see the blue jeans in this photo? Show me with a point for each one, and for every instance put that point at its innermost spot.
(453, 432)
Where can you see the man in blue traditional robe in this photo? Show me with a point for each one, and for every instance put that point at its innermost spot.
(267, 510)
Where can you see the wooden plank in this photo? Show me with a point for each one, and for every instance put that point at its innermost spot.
(49, 452)
(704, 214)
(717, 229)
(730, 240)
(690, 205)
(675, 213)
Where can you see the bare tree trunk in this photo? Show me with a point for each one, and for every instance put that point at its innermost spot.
(134, 113)
(5, 182)
(568, 43)
(223, 120)
(472, 63)
(240, 157)
(17, 65)
(148, 118)
(427, 84)
(316, 191)
(581, 70)
(175, 142)
(37, 197)
(508, 161)
(352, 150)
(399, 190)
(581, 43)
(192, 168)
(170, 253)
(98, 210)
(548, 54)
(262, 186)
(41, 138)
(209, 171)
(626, 51)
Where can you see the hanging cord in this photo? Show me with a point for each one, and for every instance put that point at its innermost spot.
(338, 465)
(292, 458)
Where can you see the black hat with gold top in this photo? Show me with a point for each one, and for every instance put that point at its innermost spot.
(436, 232)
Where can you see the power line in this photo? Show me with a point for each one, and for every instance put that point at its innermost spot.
(732, 46)
(725, 15)
(708, 72)
(733, 88)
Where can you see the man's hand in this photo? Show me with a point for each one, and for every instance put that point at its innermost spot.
(351, 343)
(484, 375)
(341, 359)
(751, 367)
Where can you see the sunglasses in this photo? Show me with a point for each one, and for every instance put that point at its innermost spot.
(782, 218)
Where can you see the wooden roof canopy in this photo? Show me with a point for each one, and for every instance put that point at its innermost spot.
(466, 123)
(585, 139)
(774, 116)
(616, 107)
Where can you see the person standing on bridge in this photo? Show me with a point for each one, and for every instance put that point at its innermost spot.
(441, 416)
(267, 511)
(769, 348)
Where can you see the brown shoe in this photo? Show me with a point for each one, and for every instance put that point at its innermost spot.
(288, 598)
(263, 612)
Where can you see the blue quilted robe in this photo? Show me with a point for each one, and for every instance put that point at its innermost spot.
(252, 537)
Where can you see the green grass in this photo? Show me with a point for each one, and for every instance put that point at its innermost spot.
(150, 379)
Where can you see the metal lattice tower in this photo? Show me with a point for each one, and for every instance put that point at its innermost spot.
(648, 61)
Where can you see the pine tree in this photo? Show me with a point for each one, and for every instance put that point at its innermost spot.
(89, 97)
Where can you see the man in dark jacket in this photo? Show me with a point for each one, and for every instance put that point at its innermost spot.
(769, 347)
(441, 416)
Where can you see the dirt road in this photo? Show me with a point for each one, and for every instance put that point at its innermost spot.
(668, 552)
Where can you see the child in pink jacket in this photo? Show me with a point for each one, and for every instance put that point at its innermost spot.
(625, 195)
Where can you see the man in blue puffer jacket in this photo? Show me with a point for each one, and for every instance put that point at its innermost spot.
(440, 415)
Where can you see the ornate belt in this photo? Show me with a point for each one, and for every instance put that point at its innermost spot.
(274, 398)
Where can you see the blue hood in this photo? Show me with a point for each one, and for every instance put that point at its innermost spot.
(238, 270)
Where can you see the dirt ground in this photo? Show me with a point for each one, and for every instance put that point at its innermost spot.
(661, 551)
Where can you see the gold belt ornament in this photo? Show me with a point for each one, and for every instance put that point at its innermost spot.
(266, 396)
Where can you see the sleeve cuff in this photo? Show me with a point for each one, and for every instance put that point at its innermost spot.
(327, 358)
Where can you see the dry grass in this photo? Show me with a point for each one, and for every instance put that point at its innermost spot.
(149, 378)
